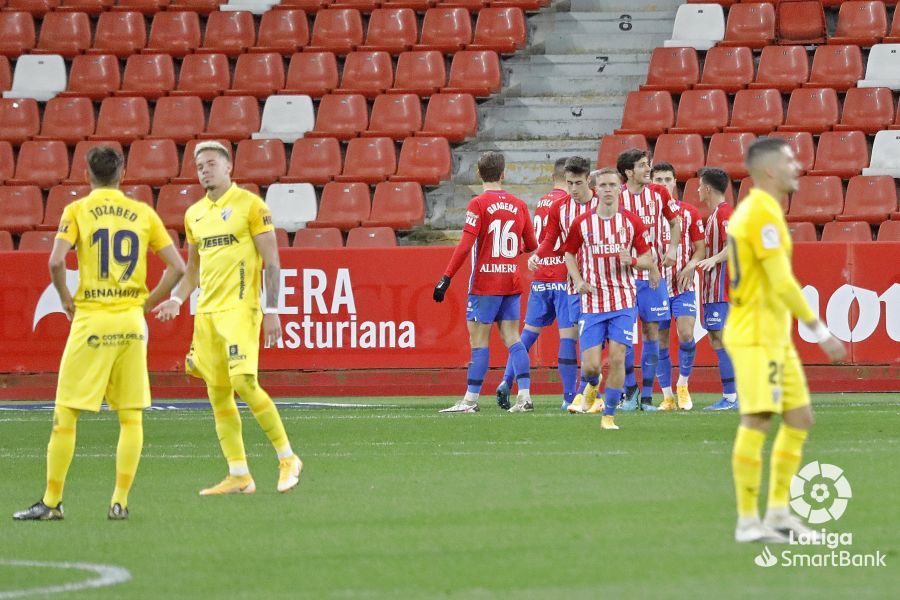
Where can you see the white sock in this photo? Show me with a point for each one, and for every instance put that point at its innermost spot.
(731, 397)
(682, 380)
(238, 469)
(525, 394)
(471, 397)
(667, 392)
(284, 452)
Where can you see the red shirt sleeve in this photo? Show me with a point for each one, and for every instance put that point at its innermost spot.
(722, 220)
(574, 239)
(669, 205)
(639, 242)
(695, 232)
(459, 255)
(551, 232)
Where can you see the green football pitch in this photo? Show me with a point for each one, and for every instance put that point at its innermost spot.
(397, 501)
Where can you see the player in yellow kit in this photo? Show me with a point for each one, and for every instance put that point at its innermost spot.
(764, 296)
(230, 236)
(106, 352)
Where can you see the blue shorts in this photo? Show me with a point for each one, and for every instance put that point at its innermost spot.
(548, 301)
(652, 304)
(574, 308)
(488, 309)
(684, 305)
(596, 328)
(714, 315)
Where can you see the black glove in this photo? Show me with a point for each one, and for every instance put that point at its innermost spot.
(441, 288)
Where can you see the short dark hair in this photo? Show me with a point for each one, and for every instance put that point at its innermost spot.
(715, 178)
(491, 165)
(577, 165)
(762, 147)
(662, 167)
(559, 169)
(104, 164)
(628, 159)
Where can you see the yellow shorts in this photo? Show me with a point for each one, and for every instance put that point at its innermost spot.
(225, 344)
(105, 356)
(768, 379)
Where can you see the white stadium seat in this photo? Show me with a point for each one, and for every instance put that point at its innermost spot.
(286, 118)
(38, 76)
(883, 67)
(257, 7)
(293, 205)
(885, 155)
(697, 25)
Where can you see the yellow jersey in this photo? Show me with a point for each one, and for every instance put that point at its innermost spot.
(223, 232)
(763, 290)
(111, 234)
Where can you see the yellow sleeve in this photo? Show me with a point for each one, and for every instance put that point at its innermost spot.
(767, 237)
(68, 225)
(188, 234)
(159, 237)
(260, 217)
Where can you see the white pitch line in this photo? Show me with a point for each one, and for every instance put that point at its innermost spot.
(106, 575)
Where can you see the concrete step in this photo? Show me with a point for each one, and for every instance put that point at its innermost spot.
(563, 117)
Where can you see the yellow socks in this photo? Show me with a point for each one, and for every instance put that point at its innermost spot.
(59, 452)
(228, 428)
(264, 410)
(128, 452)
(746, 464)
(786, 454)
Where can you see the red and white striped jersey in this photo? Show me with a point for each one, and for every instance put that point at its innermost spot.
(552, 267)
(691, 231)
(651, 206)
(597, 243)
(563, 213)
(715, 281)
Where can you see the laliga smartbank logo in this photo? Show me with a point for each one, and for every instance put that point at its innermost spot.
(820, 492)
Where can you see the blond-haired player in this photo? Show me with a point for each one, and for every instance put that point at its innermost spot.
(764, 296)
(230, 236)
(106, 352)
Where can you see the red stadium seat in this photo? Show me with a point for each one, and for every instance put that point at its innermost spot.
(370, 160)
(178, 118)
(782, 68)
(399, 205)
(453, 116)
(259, 74)
(310, 6)
(37, 241)
(174, 200)
(151, 162)
(750, 25)
(95, 77)
(801, 142)
(747, 184)
(867, 109)
(364, 6)
(283, 31)
(43, 163)
(800, 22)
(6, 242)
(728, 69)
(281, 238)
(371, 237)
(813, 110)
(312, 74)
(5, 74)
(78, 172)
(58, 198)
(204, 75)
(20, 119)
(672, 69)
(122, 119)
(683, 150)
(840, 231)
(147, 7)
(727, 151)
(140, 192)
(7, 162)
(17, 34)
(647, 113)
(499, 29)
(889, 231)
(37, 8)
(871, 199)
(860, 24)
(232, 118)
(326, 237)
(64, 33)
(21, 208)
(259, 161)
(395, 115)
(204, 7)
(393, 30)
(756, 111)
(148, 75)
(367, 73)
(229, 33)
(315, 161)
(176, 33)
(343, 205)
(802, 232)
(68, 119)
(416, 5)
(424, 160)
(701, 111)
(838, 67)
(612, 145)
(176, 239)
(119, 33)
(336, 30)
(91, 7)
(421, 73)
(343, 116)
(841, 153)
(817, 199)
(474, 72)
(893, 37)
(445, 30)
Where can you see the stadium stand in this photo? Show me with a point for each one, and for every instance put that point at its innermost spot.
(699, 26)
(371, 237)
(326, 237)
